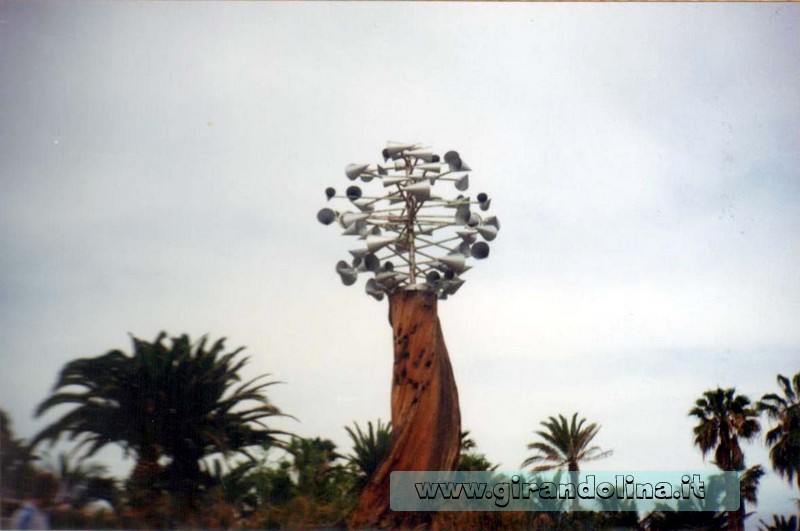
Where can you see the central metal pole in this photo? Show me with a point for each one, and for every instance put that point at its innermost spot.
(411, 208)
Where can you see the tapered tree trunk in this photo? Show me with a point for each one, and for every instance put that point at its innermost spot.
(426, 420)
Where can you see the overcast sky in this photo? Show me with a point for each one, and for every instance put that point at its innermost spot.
(161, 165)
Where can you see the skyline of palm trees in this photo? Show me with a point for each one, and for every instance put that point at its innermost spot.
(194, 391)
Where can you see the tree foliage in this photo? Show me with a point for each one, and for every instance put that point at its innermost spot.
(566, 444)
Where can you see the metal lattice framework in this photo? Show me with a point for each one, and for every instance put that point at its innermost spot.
(413, 239)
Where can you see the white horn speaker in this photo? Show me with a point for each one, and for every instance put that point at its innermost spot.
(389, 181)
(462, 215)
(420, 191)
(353, 192)
(372, 288)
(348, 218)
(378, 242)
(456, 262)
(372, 263)
(489, 232)
(355, 229)
(395, 148)
(326, 216)
(348, 274)
(480, 250)
(365, 205)
(434, 167)
(354, 170)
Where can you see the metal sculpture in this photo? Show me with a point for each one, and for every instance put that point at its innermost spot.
(413, 239)
(416, 245)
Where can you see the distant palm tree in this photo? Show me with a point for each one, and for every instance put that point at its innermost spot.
(73, 475)
(16, 461)
(779, 523)
(749, 482)
(469, 460)
(370, 448)
(180, 401)
(784, 439)
(723, 418)
(313, 462)
(566, 444)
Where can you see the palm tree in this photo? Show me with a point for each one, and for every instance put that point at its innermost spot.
(370, 448)
(566, 444)
(749, 482)
(469, 460)
(181, 402)
(723, 418)
(73, 475)
(780, 523)
(16, 461)
(784, 439)
(313, 461)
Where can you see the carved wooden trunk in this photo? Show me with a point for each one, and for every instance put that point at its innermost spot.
(426, 420)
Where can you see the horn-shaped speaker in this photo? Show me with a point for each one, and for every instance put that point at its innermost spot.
(354, 170)
(463, 183)
(389, 181)
(424, 154)
(348, 274)
(450, 156)
(366, 177)
(399, 164)
(462, 215)
(353, 192)
(489, 232)
(451, 286)
(388, 266)
(373, 289)
(434, 167)
(456, 262)
(378, 242)
(348, 218)
(385, 276)
(463, 248)
(433, 278)
(483, 201)
(480, 250)
(330, 192)
(420, 191)
(395, 148)
(358, 253)
(365, 205)
(371, 263)
(326, 216)
(474, 220)
(468, 235)
(356, 229)
(492, 220)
